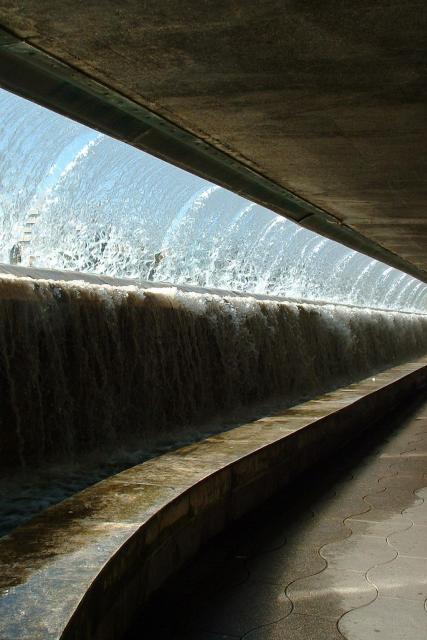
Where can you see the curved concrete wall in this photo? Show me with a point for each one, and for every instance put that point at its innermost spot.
(83, 568)
(88, 366)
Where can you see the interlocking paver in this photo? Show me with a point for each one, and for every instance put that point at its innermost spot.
(391, 499)
(203, 635)
(404, 577)
(214, 576)
(297, 627)
(340, 509)
(358, 553)
(287, 564)
(417, 513)
(412, 542)
(236, 611)
(317, 533)
(411, 464)
(379, 523)
(191, 635)
(411, 481)
(331, 593)
(386, 619)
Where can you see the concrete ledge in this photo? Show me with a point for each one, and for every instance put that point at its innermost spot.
(82, 569)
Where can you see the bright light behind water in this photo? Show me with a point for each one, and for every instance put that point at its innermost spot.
(72, 198)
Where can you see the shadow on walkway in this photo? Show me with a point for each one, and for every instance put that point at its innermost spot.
(342, 552)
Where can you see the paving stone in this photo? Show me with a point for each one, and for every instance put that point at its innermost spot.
(317, 533)
(370, 473)
(358, 553)
(410, 464)
(379, 523)
(237, 611)
(176, 634)
(404, 577)
(262, 540)
(341, 509)
(200, 635)
(420, 444)
(412, 481)
(398, 447)
(182, 634)
(386, 619)
(331, 593)
(412, 542)
(392, 499)
(417, 513)
(287, 564)
(356, 486)
(212, 576)
(297, 627)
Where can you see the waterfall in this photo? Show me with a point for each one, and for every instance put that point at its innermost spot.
(86, 367)
(72, 198)
(95, 364)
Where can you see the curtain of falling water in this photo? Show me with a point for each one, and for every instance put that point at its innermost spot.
(71, 198)
(88, 367)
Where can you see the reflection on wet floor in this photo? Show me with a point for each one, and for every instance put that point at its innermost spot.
(342, 553)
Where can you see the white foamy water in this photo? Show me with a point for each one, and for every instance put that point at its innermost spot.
(71, 198)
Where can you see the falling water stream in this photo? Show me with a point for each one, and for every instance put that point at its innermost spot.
(72, 198)
(98, 373)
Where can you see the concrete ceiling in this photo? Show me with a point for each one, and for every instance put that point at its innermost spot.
(325, 100)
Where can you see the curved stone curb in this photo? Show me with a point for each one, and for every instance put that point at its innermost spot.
(82, 568)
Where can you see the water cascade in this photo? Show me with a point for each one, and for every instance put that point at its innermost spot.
(86, 366)
(71, 198)
(101, 365)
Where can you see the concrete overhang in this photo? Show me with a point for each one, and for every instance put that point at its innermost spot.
(315, 110)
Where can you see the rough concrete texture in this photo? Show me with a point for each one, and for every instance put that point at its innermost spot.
(325, 99)
(81, 569)
(341, 556)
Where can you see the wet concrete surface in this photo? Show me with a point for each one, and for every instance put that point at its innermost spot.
(339, 554)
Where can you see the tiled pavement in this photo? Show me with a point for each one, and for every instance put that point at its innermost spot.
(341, 555)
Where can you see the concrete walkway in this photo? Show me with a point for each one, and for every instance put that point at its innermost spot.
(344, 554)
